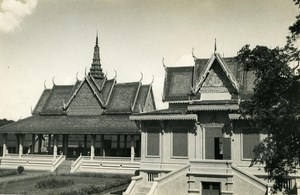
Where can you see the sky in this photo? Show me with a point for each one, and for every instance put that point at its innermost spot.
(42, 39)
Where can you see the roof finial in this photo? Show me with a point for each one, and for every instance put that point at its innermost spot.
(193, 53)
(85, 71)
(215, 50)
(163, 62)
(77, 76)
(53, 80)
(31, 109)
(152, 80)
(115, 74)
(45, 84)
(97, 38)
(141, 77)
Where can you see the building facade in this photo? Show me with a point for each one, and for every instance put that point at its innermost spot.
(201, 144)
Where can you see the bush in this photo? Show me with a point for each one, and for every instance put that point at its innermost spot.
(7, 172)
(98, 175)
(92, 189)
(51, 183)
(20, 169)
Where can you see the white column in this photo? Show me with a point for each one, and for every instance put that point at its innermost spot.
(55, 143)
(132, 148)
(4, 144)
(93, 146)
(21, 140)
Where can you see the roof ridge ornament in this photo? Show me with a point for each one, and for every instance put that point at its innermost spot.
(141, 77)
(85, 71)
(116, 74)
(163, 62)
(152, 80)
(77, 76)
(193, 54)
(53, 80)
(31, 110)
(45, 84)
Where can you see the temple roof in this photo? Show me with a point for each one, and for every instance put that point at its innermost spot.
(114, 97)
(103, 124)
(182, 82)
(94, 105)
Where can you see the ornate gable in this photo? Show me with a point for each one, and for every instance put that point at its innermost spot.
(85, 101)
(216, 81)
(216, 78)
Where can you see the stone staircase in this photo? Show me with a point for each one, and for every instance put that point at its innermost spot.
(64, 167)
(143, 190)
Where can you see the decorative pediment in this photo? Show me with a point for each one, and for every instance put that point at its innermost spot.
(88, 91)
(216, 78)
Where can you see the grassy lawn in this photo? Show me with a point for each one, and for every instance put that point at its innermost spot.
(27, 186)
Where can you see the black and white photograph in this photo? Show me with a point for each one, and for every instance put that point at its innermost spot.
(150, 97)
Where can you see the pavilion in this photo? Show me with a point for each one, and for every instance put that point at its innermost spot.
(89, 118)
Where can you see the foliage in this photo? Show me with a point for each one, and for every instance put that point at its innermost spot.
(98, 175)
(7, 172)
(20, 169)
(50, 183)
(91, 189)
(275, 105)
(5, 122)
(291, 48)
(275, 110)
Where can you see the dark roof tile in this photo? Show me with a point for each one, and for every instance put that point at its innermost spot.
(178, 83)
(103, 124)
(58, 95)
(41, 102)
(123, 97)
(141, 98)
(108, 86)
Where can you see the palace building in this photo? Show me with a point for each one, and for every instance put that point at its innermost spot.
(201, 144)
(87, 120)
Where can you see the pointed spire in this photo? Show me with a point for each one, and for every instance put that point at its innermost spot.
(96, 70)
(97, 38)
(215, 50)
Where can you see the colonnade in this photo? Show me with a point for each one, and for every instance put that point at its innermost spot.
(54, 138)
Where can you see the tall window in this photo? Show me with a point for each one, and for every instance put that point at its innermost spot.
(249, 142)
(180, 143)
(153, 142)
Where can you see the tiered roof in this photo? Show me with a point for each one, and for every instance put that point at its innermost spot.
(94, 105)
(182, 83)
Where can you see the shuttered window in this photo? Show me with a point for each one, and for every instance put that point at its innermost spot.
(249, 142)
(153, 143)
(180, 143)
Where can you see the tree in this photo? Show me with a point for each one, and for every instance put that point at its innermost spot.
(275, 110)
(5, 122)
(275, 105)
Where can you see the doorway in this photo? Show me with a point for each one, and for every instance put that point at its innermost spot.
(210, 188)
(216, 146)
